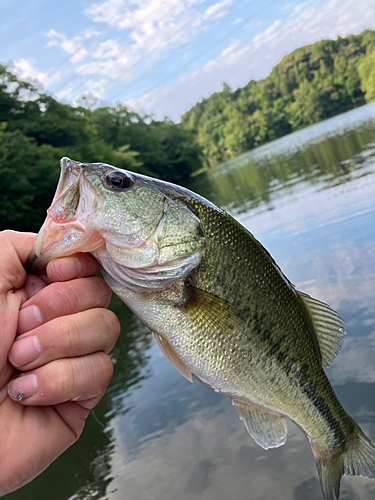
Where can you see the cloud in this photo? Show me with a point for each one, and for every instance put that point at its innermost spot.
(73, 46)
(255, 60)
(191, 87)
(108, 49)
(149, 28)
(356, 361)
(65, 93)
(25, 70)
(97, 88)
(155, 24)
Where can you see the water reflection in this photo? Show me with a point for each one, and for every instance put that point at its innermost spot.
(331, 152)
(309, 199)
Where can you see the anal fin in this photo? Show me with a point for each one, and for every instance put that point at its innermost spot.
(269, 431)
(172, 357)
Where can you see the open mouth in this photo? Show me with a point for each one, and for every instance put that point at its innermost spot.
(65, 230)
(66, 200)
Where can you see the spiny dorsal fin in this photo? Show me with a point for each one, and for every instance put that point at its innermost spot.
(329, 328)
(269, 431)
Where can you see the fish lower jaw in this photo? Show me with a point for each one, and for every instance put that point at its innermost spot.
(57, 240)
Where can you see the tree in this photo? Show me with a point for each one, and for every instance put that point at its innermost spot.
(366, 71)
(28, 174)
(310, 84)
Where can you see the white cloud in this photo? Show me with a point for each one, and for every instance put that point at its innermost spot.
(73, 46)
(65, 93)
(356, 361)
(25, 70)
(149, 28)
(108, 49)
(301, 6)
(256, 59)
(97, 88)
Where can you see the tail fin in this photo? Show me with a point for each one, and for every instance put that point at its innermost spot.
(357, 459)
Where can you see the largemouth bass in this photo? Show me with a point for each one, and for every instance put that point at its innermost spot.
(220, 308)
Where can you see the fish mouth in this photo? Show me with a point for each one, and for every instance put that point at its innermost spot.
(65, 230)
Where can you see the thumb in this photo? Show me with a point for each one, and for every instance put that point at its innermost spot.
(14, 250)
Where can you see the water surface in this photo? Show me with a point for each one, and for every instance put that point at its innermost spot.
(310, 199)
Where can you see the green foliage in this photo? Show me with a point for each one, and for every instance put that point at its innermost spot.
(310, 84)
(28, 173)
(366, 71)
(36, 131)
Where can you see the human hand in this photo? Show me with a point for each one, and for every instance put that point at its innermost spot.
(57, 368)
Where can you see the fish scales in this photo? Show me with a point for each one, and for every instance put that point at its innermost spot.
(221, 309)
(265, 342)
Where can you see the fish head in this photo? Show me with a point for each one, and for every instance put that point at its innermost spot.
(141, 237)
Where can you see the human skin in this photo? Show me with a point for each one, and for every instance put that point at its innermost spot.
(55, 336)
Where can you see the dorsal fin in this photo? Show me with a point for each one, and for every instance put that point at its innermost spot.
(329, 328)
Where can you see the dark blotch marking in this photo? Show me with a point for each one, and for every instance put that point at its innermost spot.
(281, 354)
(319, 403)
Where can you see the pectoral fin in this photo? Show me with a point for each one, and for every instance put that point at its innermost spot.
(172, 357)
(210, 312)
(269, 431)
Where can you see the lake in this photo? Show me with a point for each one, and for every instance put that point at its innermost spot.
(310, 199)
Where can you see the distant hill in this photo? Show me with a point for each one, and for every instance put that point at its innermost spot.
(310, 84)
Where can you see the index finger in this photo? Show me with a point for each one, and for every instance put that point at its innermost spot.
(80, 265)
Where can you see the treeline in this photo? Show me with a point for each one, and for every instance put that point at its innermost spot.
(36, 131)
(310, 84)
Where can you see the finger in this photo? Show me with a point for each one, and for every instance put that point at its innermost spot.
(83, 379)
(61, 299)
(70, 336)
(33, 284)
(75, 266)
(14, 249)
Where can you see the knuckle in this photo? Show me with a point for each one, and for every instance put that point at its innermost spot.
(113, 323)
(63, 298)
(69, 333)
(106, 370)
(75, 379)
(89, 264)
(104, 292)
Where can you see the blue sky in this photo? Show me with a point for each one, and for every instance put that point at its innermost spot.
(160, 57)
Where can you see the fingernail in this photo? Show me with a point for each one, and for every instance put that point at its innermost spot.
(68, 268)
(29, 318)
(24, 351)
(23, 387)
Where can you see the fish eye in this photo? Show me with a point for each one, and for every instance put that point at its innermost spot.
(118, 180)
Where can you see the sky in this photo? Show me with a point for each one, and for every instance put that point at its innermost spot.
(160, 57)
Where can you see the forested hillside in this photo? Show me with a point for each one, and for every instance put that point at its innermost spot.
(308, 85)
(36, 131)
